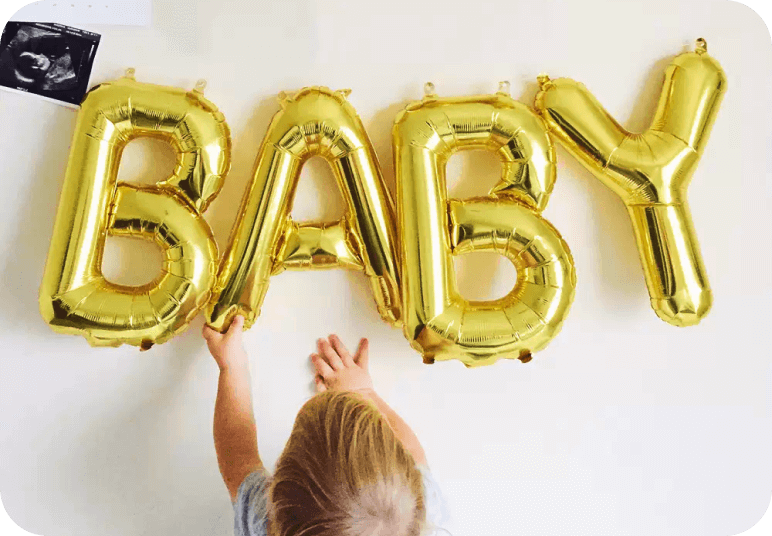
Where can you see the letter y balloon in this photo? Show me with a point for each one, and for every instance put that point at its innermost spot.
(650, 171)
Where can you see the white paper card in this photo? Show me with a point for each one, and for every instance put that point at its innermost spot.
(116, 12)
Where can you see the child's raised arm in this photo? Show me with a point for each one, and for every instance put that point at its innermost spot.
(235, 433)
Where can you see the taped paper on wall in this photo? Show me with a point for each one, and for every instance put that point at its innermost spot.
(115, 12)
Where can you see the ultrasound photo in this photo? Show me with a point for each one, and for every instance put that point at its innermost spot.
(50, 60)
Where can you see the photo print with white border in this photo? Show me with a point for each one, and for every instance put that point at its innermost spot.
(47, 59)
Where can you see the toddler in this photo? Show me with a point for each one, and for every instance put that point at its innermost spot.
(351, 466)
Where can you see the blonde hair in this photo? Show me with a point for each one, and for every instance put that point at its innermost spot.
(345, 473)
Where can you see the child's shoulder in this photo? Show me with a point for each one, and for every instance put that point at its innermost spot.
(251, 506)
(434, 500)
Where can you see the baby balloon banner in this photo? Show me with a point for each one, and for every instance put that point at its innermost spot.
(404, 249)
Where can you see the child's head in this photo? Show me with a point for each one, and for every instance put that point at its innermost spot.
(345, 473)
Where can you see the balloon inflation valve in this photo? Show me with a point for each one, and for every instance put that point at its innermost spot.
(504, 86)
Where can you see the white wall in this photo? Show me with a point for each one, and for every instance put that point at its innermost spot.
(624, 425)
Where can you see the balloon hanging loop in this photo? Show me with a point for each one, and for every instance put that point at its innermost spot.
(702, 46)
(544, 80)
(200, 86)
(429, 91)
(129, 73)
(504, 86)
(284, 98)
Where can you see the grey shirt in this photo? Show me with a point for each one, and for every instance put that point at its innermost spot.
(251, 506)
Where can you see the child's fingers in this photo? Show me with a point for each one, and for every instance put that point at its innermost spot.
(320, 387)
(329, 354)
(341, 350)
(322, 368)
(362, 357)
(210, 334)
(237, 325)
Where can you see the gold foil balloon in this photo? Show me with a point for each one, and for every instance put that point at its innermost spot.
(438, 322)
(265, 241)
(75, 297)
(650, 171)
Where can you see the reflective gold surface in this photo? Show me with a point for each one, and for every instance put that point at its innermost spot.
(74, 296)
(314, 122)
(438, 322)
(318, 246)
(650, 171)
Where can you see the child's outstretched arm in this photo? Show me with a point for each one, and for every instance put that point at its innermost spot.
(235, 433)
(337, 369)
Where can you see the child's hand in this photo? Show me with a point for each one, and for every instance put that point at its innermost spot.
(337, 369)
(227, 348)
